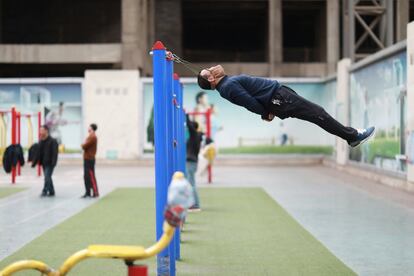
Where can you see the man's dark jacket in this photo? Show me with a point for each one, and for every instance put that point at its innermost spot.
(34, 154)
(48, 152)
(253, 93)
(12, 155)
(193, 142)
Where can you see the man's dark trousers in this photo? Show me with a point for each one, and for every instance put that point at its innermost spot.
(89, 177)
(48, 185)
(287, 103)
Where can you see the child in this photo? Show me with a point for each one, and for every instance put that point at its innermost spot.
(208, 153)
(193, 149)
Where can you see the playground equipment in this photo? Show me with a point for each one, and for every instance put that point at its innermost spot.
(207, 115)
(15, 120)
(3, 131)
(179, 199)
(169, 144)
(169, 119)
(30, 132)
(169, 138)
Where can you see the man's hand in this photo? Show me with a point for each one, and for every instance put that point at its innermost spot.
(269, 118)
(217, 71)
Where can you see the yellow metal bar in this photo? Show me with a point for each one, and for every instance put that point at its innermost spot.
(130, 253)
(3, 134)
(72, 261)
(162, 242)
(30, 132)
(27, 265)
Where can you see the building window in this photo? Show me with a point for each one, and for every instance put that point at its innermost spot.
(304, 31)
(411, 12)
(60, 21)
(226, 31)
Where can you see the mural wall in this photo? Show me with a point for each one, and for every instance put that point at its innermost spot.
(378, 98)
(60, 104)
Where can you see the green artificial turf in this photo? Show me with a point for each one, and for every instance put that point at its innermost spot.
(288, 149)
(239, 232)
(6, 191)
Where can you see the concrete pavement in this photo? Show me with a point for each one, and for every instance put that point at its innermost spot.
(367, 225)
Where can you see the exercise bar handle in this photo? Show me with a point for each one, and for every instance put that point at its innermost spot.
(81, 255)
(27, 265)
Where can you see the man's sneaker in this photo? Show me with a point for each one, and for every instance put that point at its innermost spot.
(194, 209)
(363, 135)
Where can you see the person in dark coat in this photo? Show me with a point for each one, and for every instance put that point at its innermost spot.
(193, 149)
(48, 155)
(33, 156)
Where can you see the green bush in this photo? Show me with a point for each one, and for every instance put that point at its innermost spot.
(289, 149)
(387, 148)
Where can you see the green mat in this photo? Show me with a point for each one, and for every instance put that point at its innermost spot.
(6, 191)
(239, 232)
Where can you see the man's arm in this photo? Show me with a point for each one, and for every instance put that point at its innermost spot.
(190, 125)
(88, 143)
(240, 96)
(55, 152)
(268, 117)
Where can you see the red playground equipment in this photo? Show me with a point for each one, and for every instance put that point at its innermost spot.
(16, 119)
(207, 115)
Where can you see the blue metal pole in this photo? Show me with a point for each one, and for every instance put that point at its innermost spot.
(183, 130)
(176, 109)
(170, 145)
(180, 126)
(160, 142)
(177, 150)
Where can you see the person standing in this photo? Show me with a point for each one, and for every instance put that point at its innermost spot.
(193, 149)
(283, 134)
(48, 155)
(89, 152)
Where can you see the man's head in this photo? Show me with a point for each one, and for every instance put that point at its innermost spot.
(208, 78)
(195, 125)
(44, 132)
(201, 98)
(92, 128)
(203, 82)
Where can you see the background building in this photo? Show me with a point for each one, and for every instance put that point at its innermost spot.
(262, 37)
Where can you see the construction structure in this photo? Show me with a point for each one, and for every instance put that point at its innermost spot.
(288, 38)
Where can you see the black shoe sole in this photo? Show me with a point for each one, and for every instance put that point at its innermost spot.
(363, 141)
